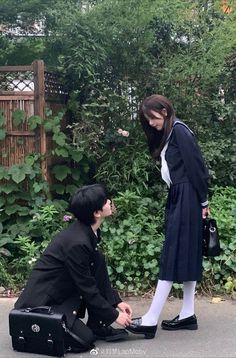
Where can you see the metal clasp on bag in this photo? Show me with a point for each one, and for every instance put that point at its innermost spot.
(35, 328)
(212, 229)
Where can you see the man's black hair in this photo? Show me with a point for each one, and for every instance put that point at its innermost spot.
(86, 201)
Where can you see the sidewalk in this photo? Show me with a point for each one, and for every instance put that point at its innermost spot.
(215, 338)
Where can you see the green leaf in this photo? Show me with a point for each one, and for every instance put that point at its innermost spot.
(71, 189)
(18, 117)
(61, 172)
(48, 125)
(1, 227)
(76, 156)
(38, 187)
(12, 209)
(12, 198)
(57, 120)
(2, 133)
(26, 168)
(76, 174)
(121, 286)
(59, 138)
(24, 211)
(34, 121)
(5, 239)
(62, 152)
(8, 188)
(17, 174)
(30, 160)
(58, 188)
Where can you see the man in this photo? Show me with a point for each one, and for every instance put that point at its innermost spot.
(72, 276)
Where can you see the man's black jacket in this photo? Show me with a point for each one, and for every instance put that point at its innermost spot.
(69, 266)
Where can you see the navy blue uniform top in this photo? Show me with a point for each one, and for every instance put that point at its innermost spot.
(185, 161)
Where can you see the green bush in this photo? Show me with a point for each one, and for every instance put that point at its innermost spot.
(132, 241)
(217, 270)
(21, 245)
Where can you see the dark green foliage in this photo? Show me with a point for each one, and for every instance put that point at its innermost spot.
(24, 241)
(133, 240)
(223, 208)
(30, 215)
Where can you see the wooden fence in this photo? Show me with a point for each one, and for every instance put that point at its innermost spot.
(31, 89)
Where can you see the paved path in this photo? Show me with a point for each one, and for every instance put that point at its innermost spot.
(215, 338)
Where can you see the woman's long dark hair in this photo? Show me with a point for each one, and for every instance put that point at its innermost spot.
(156, 139)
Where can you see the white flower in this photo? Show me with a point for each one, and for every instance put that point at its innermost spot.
(123, 132)
(31, 261)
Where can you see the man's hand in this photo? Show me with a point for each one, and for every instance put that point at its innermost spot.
(125, 308)
(123, 319)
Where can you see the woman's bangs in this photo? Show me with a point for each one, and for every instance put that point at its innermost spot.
(148, 112)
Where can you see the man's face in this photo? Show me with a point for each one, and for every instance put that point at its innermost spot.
(106, 209)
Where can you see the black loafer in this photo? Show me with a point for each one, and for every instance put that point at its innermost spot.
(137, 328)
(176, 323)
(110, 334)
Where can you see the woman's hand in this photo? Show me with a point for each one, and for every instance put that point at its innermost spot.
(205, 212)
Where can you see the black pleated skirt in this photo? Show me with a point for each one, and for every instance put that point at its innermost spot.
(181, 258)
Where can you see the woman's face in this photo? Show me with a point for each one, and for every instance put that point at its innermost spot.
(156, 120)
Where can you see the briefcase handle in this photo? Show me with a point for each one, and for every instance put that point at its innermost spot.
(40, 309)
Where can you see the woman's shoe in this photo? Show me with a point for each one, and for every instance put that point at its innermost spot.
(137, 328)
(176, 323)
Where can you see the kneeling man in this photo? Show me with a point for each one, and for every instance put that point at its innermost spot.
(71, 275)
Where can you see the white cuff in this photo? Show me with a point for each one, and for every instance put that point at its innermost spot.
(205, 204)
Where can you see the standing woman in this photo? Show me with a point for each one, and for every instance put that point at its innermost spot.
(183, 170)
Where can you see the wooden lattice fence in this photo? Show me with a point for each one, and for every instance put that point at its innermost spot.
(31, 89)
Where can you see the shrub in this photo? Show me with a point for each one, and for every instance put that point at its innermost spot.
(217, 270)
(133, 240)
(30, 240)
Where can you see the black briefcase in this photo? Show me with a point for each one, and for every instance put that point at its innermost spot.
(38, 330)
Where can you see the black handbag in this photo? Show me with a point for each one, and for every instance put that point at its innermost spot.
(41, 330)
(211, 242)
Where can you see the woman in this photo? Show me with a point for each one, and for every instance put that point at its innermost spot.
(183, 170)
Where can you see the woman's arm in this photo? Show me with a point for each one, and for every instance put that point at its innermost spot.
(193, 161)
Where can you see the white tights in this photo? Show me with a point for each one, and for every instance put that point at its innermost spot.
(162, 292)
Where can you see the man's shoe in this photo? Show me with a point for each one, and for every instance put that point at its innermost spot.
(110, 334)
(137, 328)
(176, 323)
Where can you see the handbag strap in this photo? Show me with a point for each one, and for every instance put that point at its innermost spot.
(77, 338)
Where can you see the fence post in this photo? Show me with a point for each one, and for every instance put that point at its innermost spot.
(39, 108)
